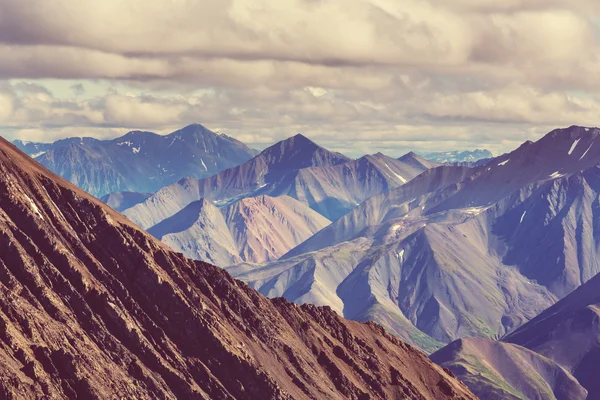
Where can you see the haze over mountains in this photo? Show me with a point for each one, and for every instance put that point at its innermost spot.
(139, 161)
(93, 307)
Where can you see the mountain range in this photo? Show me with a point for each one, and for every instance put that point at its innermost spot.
(459, 156)
(489, 265)
(328, 182)
(457, 251)
(139, 161)
(121, 201)
(93, 307)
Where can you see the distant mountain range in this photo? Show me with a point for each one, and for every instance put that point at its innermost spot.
(457, 251)
(291, 171)
(95, 308)
(458, 157)
(139, 161)
(329, 183)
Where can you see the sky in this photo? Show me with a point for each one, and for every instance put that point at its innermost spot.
(357, 76)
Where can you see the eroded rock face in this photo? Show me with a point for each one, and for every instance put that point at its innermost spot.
(92, 307)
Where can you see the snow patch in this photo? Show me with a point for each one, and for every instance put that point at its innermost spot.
(573, 146)
(556, 175)
(400, 255)
(588, 149)
(503, 163)
(41, 153)
(474, 210)
(204, 165)
(523, 216)
(399, 177)
(396, 227)
(135, 150)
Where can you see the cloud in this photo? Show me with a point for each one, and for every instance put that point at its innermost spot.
(157, 38)
(141, 112)
(516, 104)
(6, 105)
(458, 73)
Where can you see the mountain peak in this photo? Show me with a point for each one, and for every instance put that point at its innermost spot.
(411, 158)
(301, 139)
(135, 135)
(193, 130)
(573, 132)
(139, 161)
(194, 127)
(375, 158)
(184, 219)
(76, 141)
(572, 147)
(409, 155)
(299, 152)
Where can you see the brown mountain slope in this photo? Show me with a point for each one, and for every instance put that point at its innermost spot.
(92, 307)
